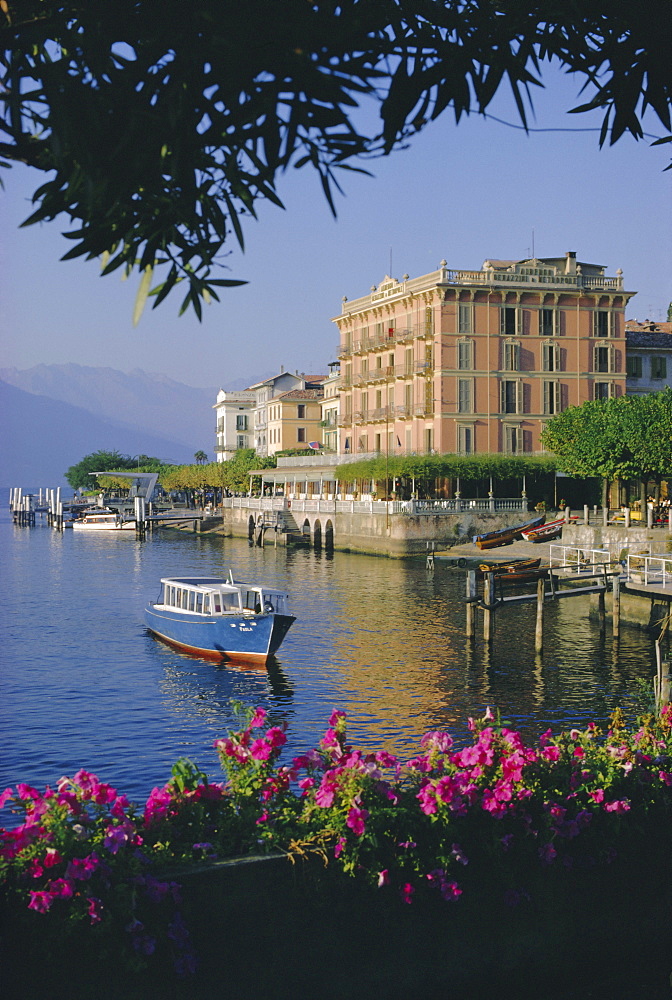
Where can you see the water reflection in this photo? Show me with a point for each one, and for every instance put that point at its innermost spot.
(382, 639)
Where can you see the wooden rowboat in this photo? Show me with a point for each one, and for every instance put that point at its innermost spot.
(519, 570)
(504, 536)
(548, 531)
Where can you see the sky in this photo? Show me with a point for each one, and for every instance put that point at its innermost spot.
(463, 193)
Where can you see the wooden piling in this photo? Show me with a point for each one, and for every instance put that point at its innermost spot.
(539, 629)
(488, 609)
(601, 611)
(664, 684)
(471, 603)
(616, 605)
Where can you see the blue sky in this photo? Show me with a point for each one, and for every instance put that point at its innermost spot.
(464, 193)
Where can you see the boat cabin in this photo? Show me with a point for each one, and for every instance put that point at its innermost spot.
(205, 596)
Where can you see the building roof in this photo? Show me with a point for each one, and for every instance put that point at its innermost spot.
(648, 334)
(301, 394)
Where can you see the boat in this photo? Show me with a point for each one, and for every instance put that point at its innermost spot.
(101, 519)
(519, 569)
(222, 619)
(504, 536)
(548, 531)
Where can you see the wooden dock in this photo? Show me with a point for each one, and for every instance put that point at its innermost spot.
(572, 573)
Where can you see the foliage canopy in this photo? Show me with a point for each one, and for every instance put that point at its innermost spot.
(160, 124)
(627, 437)
(81, 475)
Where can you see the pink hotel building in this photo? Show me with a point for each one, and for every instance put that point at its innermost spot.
(477, 361)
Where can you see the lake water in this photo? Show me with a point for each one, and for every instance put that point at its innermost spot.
(83, 684)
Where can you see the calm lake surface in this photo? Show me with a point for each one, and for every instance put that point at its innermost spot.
(83, 684)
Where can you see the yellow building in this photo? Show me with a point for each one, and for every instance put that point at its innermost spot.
(294, 420)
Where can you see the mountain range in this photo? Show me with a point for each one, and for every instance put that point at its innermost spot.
(54, 415)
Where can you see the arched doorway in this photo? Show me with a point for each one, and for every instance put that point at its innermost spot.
(317, 534)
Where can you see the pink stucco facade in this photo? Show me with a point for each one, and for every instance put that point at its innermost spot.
(478, 361)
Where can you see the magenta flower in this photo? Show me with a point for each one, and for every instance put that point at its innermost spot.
(40, 901)
(337, 717)
(383, 878)
(340, 845)
(258, 719)
(4, 796)
(617, 806)
(356, 820)
(95, 909)
(62, 888)
(82, 868)
(407, 891)
(427, 797)
(260, 749)
(276, 737)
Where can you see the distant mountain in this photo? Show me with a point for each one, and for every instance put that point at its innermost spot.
(138, 400)
(41, 438)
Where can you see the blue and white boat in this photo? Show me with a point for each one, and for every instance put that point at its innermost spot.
(220, 618)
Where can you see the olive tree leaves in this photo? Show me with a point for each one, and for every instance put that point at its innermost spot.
(160, 124)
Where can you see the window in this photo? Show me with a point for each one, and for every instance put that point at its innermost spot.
(658, 367)
(241, 441)
(301, 434)
(509, 321)
(552, 398)
(511, 356)
(465, 439)
(301, 411)
(465, 355)
(465, 317)
(602, 323)
(548, 322)
(513, 439)
(601, 390)
(465, 395)
(511, 396)
(633, 367)
(550, 357)
(241, 423)
(602, 359)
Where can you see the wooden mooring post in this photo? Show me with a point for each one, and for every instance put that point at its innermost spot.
(489, 603)
(616, 606)
(539, 627)
(488, 606)
(471, 603)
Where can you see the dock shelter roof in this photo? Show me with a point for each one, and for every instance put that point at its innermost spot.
(297, 473)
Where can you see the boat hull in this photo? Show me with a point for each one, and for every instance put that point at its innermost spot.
(546, 532)
(504, 536)
(244, 638)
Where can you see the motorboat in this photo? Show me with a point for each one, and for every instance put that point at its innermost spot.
(222, 619)
(102, 519)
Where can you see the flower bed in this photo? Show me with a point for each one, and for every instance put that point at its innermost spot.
(500, 839)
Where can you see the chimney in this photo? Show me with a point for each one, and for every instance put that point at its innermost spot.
(570, 262)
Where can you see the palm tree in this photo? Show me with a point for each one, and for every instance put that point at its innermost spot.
(201, 458)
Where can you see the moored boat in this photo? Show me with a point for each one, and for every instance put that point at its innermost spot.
(546, 532)
(220, 618)
(504, 536)
(102, 519)
(519, 569)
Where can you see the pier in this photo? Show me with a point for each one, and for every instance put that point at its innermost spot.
(572, 572)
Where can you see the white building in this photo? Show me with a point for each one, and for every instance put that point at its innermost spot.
(235, 422)
(648, 357)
